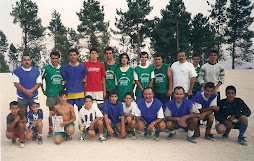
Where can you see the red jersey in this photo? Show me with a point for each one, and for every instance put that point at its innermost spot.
(94, 73)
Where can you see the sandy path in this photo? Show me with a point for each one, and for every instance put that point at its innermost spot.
(127, 149)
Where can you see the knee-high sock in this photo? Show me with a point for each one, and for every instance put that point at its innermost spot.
(242, 129)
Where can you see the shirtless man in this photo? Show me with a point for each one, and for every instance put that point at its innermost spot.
(65, 110)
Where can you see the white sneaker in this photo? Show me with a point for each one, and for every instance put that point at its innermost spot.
(22, 144)
(102, 139)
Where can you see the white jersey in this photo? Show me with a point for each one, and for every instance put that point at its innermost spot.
(131, 109)
(87, 116)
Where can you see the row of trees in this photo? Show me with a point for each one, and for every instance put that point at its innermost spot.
(228, 23)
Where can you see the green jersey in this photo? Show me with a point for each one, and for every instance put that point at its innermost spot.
(124, 82)
(196, 86)
(144, 77)
(54, 80)
(160, 83)
(110, 75)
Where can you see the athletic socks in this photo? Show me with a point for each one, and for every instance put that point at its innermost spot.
(190, 133)
(21, 136)
(40, 135)
(50, 128)
(207, 132)
(242, 129)
(100, 135)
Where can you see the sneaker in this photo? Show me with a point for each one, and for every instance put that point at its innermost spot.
(147, 134)
(210, 137)
(138, 131)
(156, 135)
(115, 134)
(225, 135)
(50, 134)
(68, 138)
(102, 139)
(108, 136)
(242, 141)
(171, 136)
(13, 141)
(133, 135)
(81, 138)
(35, 136)
(40, 140)
(192, 139)
(167, 131)
(22, 144)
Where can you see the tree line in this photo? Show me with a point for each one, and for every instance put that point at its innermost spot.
(228, 24)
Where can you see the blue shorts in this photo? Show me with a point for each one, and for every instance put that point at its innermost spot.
(79, 102)
(34, 129)
(162, 97)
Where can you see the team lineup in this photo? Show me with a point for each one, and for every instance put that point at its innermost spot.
(166, 98)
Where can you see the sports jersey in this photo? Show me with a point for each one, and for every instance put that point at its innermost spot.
(149, 114)
(205, 102)
(196, 86)
(87, 116)
(94, 73)
(144, 76)
(124, 82)
(10, 118)
(236, 108)
(114, 111)
(131, 109)
(31, 117)
(74, 76)
(110, 75)
(54, 80)
(27, 78)
(182, 74)
(160, 83)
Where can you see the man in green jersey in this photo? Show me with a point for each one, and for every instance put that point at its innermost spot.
(54, 83)
(110, 68)
(195, 62)
(162, 85)
(144, 75)
(124, 77)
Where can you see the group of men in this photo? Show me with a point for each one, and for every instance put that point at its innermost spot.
(105, 90)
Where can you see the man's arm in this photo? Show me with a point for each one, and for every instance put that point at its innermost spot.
(35, 123)
(94, 121)
(170, 82)
(107, 124)
(201, 77)
(123, 132)
(103, 86)
(191, 86)
(151, 82)
(152, 124)
(139, 85)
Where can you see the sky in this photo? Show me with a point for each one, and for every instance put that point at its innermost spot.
(68, 10)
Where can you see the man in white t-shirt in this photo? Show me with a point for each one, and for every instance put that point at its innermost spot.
(90, 118)
(183, 73)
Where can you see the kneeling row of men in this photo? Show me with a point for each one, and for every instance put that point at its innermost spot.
(147, 114)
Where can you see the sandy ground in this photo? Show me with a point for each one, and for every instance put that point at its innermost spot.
(127, 149)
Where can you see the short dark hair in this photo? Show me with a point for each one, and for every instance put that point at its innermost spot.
(195, 55)
(157, 55)
(178, 88)
(94, 49)
(143, 53)
(56, 53)
(34, 103)
(113, 92)
(88, 97)
(63, 92)
(128, 93)
(24, 56)
(181, 51)
(109, 48)
(13, 103)
(209, 85)
(214, 51)
(73, 50)
(230, 88)
(121, 56)
(147, 88)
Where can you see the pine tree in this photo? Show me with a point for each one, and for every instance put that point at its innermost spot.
(238, 33)
(13, 56)
(3, 47)
(25, 14)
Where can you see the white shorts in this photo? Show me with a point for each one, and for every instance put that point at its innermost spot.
(97, 96)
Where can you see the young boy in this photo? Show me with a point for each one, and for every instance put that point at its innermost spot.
(34, 117)
(114, 115)
(65, 110)
(129, 106)
(212, 72)
(233, 114)
(110, 67)
(208, 101)
(16, 123)
(74, 74)
(90, 118)
(124, 77)
(95, 81)
(181, 113)
(144, 75)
